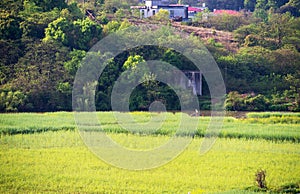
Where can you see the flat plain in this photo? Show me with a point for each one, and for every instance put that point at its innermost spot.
(44, 153)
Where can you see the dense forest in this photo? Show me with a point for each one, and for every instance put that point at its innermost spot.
(43, 42)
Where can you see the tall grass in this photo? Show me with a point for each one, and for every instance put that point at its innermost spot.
(272, 114)
(58, 162)
(279, 128)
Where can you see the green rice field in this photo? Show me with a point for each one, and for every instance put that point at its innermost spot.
(44, 153)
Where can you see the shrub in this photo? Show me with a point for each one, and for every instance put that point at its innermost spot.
(162, 15)
(261, 179)
(272, 114)
(11, 101)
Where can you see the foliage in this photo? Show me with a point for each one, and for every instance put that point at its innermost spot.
(273, 34)
(120, 13)
(47, 5)
(198, 17)
(162, 15)
(225, 4)
(34, 26)
(224, 22)
(79, 34)
(39, 71)
(11, 101)
(114, 26)
(272, 114)
(9, 26)
(265, 61)
(102, 18)
(133, 61)
(113, 5)
(10, 53)
(250, 102)
(75, 59)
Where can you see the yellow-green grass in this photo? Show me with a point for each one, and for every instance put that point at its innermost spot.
(44, 153)
(58, 162)
(250, 128)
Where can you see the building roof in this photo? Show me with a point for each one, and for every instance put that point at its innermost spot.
(177, 5)
(138, 7)
(194, 9)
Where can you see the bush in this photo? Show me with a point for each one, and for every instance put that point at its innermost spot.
(162, 15)
(289, 188)
(102, 18)
(272, 114)
(11, 101)
(256, 103)
(225, 22)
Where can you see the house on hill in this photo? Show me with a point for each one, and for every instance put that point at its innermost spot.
(153, 6)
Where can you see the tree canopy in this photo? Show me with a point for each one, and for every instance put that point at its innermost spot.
(44, 43)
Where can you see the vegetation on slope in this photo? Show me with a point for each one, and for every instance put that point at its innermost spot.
(43, 43)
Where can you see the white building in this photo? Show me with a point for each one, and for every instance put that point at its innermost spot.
(153, 6)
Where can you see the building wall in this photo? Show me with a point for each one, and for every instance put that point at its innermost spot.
(148, 12)
(177, 12)
(173, 11)
(150, 3)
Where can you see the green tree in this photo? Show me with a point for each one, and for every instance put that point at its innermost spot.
(30, 7)
(114, 5)
(87, 33)
(260, 9)
(75, 11)
(80, 34)
(102, 18)
(11, 101)
(114, 26)
(198, 17)
(250, 4)
(294, 82)
(38, 74)
(256, 103)
(242, 32)
(225, 4)
(35, 24)
(10, 53)
(234, 101)
(280, 27)
(292, 36)
(73, 64)
(13, 7)
(10, 26)
(58, 30)
(162, 15)
(120, 14)
(132, 62)
(48, 5)
(106, 83)
(272, 4)
(125, 24)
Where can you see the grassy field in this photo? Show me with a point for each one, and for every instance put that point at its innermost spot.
(44, 153)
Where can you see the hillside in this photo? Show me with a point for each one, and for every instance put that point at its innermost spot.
(43, 43)
(224, 37)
